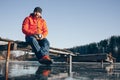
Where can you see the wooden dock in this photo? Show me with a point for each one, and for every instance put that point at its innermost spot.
(93, 58)
(23, 46)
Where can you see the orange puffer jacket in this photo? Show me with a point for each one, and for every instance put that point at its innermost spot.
(32, 25)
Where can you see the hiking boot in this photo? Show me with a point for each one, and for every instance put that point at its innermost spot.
(45, 60)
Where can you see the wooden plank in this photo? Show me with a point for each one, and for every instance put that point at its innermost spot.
(21, 45)
(6, 40)
(93, 57)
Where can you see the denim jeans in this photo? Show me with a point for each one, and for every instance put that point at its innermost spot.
(39, 47)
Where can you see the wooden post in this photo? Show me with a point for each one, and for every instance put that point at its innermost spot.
(7, 56)
(7, 60)
(8, 51)
(70, 62)
(6, 70)
(70, 66)
(102, 63)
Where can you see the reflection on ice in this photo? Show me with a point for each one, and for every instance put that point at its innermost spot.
(80, 71)
(109, 69)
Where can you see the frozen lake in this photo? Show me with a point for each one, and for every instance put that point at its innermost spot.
(32, 70)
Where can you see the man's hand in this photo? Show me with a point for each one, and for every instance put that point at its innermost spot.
(38, 36)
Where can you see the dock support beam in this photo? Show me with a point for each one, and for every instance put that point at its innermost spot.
(7, 61)
(8, 51)
(70, 65)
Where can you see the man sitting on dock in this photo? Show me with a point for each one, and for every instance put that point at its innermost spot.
(35, 29)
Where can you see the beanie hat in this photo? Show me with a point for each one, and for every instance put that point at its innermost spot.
(38, 9)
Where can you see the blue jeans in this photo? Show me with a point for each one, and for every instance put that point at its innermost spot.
(40, 47)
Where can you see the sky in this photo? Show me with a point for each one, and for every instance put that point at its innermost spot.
(70, 22)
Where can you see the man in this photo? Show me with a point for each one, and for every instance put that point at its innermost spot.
(35, 29)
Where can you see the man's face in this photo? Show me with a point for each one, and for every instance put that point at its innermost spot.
(37, 14)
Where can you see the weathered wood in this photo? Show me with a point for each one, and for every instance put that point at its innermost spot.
(60, 49)
(93, 57)
(8, 51)
(6, 70)
(6, 40)
(21, 45)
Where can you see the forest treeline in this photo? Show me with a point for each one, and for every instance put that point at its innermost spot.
(111, 44)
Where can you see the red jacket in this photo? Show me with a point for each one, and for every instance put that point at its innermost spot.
(32, 25)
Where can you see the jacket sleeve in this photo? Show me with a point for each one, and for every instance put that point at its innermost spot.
(44, 29)
(25, 27)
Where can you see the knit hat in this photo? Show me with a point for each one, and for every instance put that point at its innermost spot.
(38, 9)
